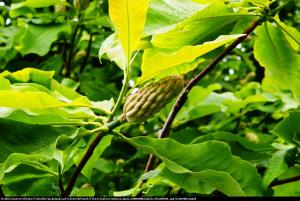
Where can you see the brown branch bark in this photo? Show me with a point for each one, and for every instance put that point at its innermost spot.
(183, 96)
(284, 181)
(87, 54)
(88, 155)
(82, 163)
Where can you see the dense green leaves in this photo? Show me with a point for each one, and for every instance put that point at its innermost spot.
(237, 133)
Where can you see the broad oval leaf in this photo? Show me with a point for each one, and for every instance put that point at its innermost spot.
(209, 162)
(38, 39)
(282, 64)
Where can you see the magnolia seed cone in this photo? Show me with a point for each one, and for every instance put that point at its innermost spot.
(150, 99)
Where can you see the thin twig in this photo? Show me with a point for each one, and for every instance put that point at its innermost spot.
(183, 96)
(284, 181)
(73, 44)
(87, 54)
(71, 52)
(64, 56)
(82, 163)
(60, 180)
(88, 154)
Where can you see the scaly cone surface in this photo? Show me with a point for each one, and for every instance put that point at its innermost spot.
(150, 99)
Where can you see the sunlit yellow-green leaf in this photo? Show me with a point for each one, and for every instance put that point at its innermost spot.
(36, 100)
(156, 60)
(129, 18)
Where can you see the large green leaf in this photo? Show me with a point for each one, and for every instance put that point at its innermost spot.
(10, 170)
(206, 25)
(289, 128)
(28, 144)
(35, 100)
(18, 137)
(129, 18)
(210, 163)
(37, 93)
(282, 64)
(169, 60)
(38, 39)
(291, 34)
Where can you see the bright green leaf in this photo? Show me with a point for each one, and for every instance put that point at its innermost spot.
(38, 39)
(169, 59)
(209, 162)
(282, 64)
(129, 18)
(206, 25)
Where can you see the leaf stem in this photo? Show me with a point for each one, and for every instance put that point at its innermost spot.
(89, 153)
(121, 96)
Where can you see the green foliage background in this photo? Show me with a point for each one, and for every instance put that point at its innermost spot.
(237, 134)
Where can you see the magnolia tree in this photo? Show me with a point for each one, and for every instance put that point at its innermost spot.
(149, 98)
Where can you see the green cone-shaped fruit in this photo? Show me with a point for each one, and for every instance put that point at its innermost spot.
(150, 99)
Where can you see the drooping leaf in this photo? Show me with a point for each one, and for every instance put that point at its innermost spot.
(18, 137)
(282, 64)
(112, 48)
(129, 18)
(41, 119)
(10, 169)
(38, 39)
(209, 163)
(29, 75)
(169, 59)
